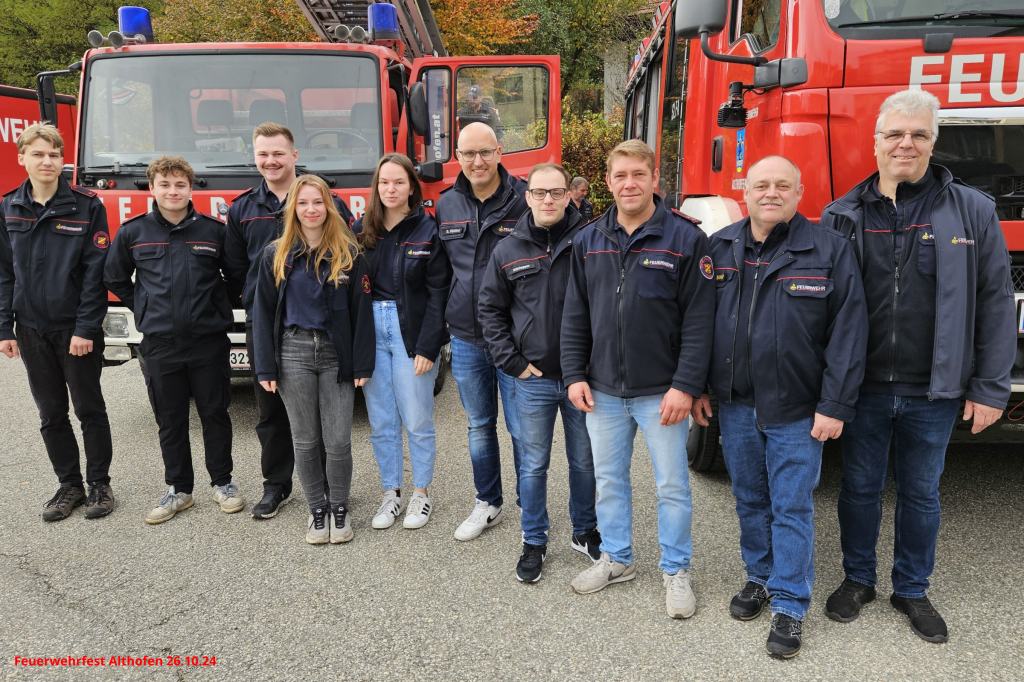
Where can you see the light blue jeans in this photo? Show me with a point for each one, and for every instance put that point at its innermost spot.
(612, 427)
(396, 397)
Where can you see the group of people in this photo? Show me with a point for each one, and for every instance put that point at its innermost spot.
(637, 319)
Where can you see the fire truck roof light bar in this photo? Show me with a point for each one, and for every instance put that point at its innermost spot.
(135, 21)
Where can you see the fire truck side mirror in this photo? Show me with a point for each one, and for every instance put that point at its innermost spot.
(47, 96)
(419, 119)
(785, 73)
(694, 18)
(431, 171)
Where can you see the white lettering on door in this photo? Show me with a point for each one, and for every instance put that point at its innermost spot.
(149, 204)
(124, 207)
(358, 205)
(16, 128)
(4, 129)
(917, 75)
(957, 77)
(995, 85)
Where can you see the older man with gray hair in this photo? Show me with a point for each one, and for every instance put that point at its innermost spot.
(941, 327)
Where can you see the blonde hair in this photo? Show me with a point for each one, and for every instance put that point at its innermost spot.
(41, 131)
(271, 129)
(338, 245)
(634, 149)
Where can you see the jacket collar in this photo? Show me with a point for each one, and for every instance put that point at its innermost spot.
(261, 195)
(868, 189)
(800, 236)
(654, 226)
(64, 195)
(190, 217)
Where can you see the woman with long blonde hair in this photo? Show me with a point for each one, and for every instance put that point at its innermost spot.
(411, 276)
(314, 341)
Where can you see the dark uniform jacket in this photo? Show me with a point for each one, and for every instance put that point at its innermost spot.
(180, 294)
(806, 328)
(523, 295)
(586, 209)
(254, 220)
(639, 308)
(469, 232)
(348, 310)
(975, 322)
(51, 265)
(422, 277)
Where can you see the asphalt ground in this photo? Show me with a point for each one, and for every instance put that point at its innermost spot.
(400, 604)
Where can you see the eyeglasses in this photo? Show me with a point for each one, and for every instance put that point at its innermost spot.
(916, 136)
(556, 194)
(485, 154)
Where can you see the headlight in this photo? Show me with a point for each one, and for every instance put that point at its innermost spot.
(115, 325)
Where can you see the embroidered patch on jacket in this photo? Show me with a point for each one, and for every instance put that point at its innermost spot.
(366, 284)
(101, 240)
(660, 263)
(418, 253)
(807, 287)
(204, 248)
(963, 241)
(707, 267)
(69, 229)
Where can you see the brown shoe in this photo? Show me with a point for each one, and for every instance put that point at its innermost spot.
(63, 503)
(100, 502)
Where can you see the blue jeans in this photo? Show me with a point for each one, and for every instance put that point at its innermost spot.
(538, 401)
(479, 382)
(775, 469)
(919, 431)
(612, 427)
(396, 397)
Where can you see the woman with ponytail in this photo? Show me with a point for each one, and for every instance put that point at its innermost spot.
(314, 341)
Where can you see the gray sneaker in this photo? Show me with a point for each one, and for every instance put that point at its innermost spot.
(341, 525)
(602, 574)
(679, 599)
(228, 497)
(317, 532)
(169, 505)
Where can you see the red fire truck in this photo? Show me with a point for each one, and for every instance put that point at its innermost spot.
(380, 81)
(19, 109)
(719, 84)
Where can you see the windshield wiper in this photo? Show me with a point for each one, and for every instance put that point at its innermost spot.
(970, 14)
(233, 165)
(113, 167)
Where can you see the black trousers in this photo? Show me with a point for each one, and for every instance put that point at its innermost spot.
(52, 372)
(202, 372)
(277, 456)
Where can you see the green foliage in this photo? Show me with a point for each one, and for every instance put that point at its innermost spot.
(48, 35)
(586, 140)
(237, 21)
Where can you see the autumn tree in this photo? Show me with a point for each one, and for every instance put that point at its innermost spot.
(205, 21)
(474, 27)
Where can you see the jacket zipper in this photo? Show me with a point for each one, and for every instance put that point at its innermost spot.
(894, 341)
(750, 315)
(622, 343)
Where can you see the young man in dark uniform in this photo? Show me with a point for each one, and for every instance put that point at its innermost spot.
(254, 220)
(53, 243)
(181, 303)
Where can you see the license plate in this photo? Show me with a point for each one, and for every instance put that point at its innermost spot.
(239, 358)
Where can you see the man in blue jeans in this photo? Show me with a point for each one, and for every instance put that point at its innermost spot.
(476, 212)
(635, 352)
(941, 328)
(790, 337)
(521, 305)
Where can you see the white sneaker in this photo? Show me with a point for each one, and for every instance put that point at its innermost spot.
(484, 516)
(228, 497)
(341, 525)
(317, 532)
(169, 505)
(679, 599)
(390, 509)
(419, 511)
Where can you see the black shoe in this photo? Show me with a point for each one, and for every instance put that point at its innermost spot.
(925, 621)
(531, 562)
(588, 543)
(63, 503)
(844, 604)
(750, 602)
(784, 637)
(100, 501)
(271, 503)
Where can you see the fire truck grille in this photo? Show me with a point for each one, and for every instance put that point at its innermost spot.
(1018, 184)
(1017, 275)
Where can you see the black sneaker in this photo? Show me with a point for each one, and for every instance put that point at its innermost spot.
(271, 503)
(844, 604)
(588, 543)
(100, 501)
(531, 562)
(925, 621)
(784, 637)
(63, 503)
(750, 602)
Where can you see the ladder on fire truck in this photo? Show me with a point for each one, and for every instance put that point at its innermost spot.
(417, 26)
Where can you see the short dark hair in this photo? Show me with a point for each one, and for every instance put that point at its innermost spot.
(170, 165)
(549, 167)
(579, 180)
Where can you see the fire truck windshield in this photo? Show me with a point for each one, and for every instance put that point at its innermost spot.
(908, 13)
(204, 106)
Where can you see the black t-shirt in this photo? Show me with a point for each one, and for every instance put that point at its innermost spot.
(384, 288)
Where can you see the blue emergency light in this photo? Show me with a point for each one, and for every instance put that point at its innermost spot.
(132, 21)
(382, 22)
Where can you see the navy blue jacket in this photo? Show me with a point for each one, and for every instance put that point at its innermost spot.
(638, 314)
(422, 276)
(349, 311)
(179, 293)
(523, 295)
(806, 329)
(975, 321)
(253, 223)
(469, 232)
(51, 266)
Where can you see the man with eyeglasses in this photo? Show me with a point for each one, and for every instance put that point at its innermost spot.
(940, 328)
(480, 209)
(521, 304)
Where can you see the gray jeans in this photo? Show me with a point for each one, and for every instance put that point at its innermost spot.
(318, 408)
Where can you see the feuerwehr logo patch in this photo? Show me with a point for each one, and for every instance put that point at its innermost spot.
(707, 267)
(806, 287)
(101, 240)
(963, 241)
(366, 284)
